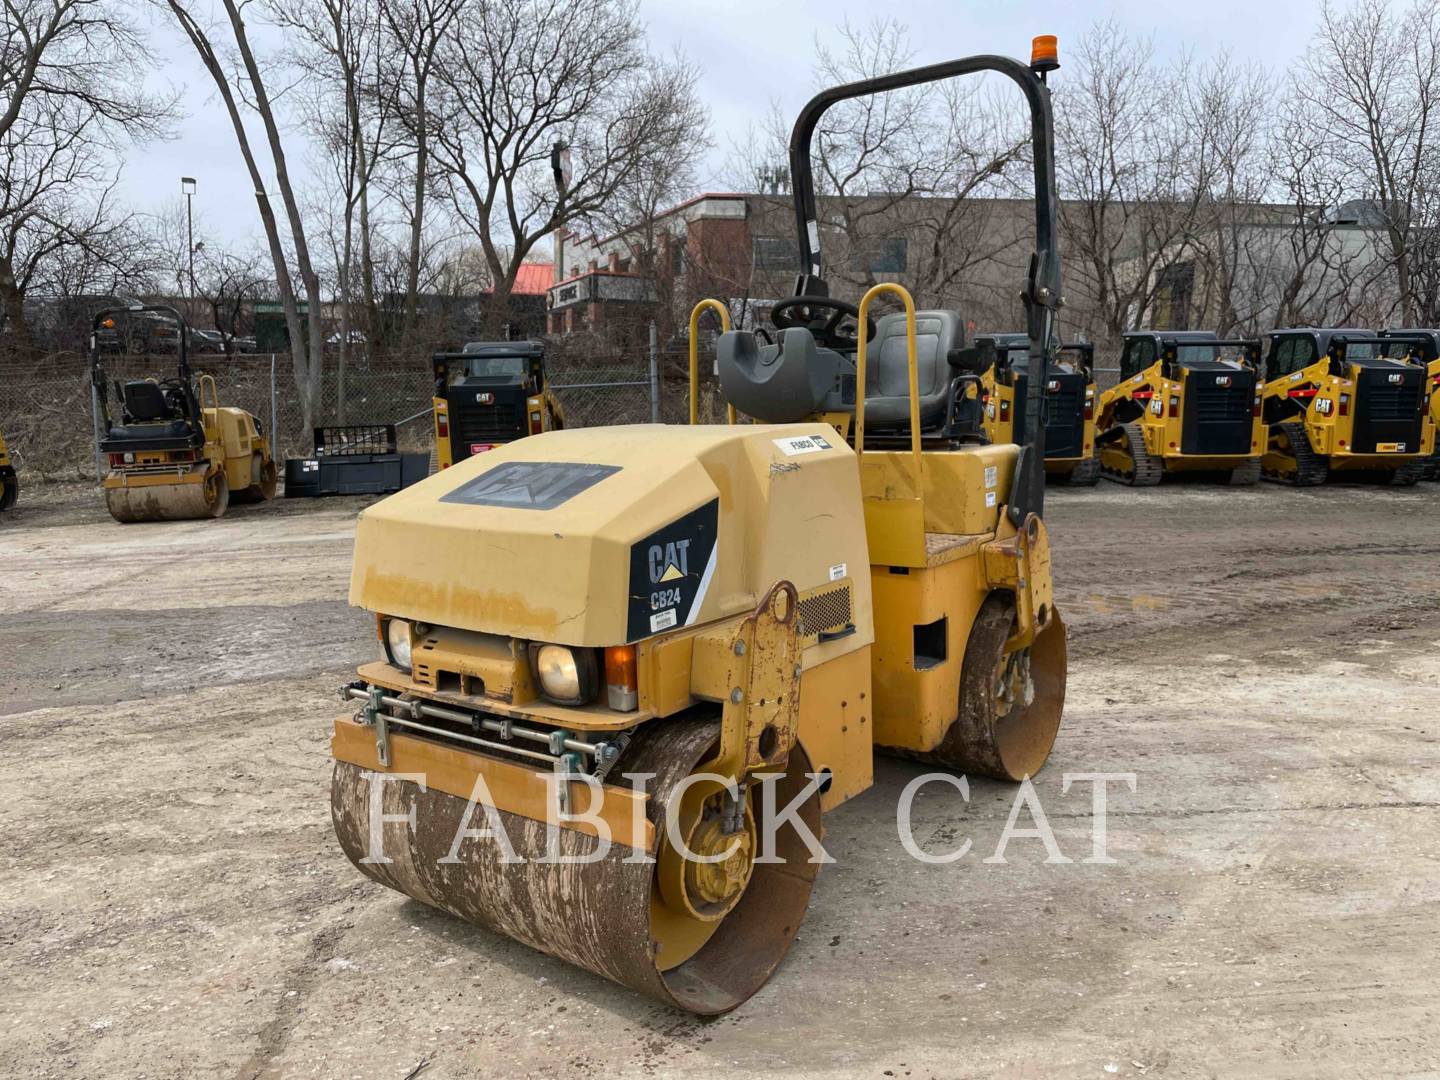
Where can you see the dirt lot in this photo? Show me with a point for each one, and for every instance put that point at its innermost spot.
(1266, 662)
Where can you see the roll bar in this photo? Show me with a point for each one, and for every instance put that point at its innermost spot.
(1041, 294)
(182, 348)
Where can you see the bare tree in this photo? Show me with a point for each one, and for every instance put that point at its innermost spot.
(519, 76)
(1225, 106)
(87, 51)
(69, 103)
(1425, 243)
(306, 356)
(1129, 203)
(665, 175)
(417, 30)
(1372, 79)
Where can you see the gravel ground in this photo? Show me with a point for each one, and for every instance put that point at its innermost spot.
(1266, 662)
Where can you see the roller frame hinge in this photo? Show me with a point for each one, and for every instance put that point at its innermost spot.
(1020, 564)
(760, 658)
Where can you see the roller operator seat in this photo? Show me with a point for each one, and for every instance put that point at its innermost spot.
(887, 375)
(795, 378)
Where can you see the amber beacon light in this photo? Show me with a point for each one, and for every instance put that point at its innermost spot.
(1044, 53)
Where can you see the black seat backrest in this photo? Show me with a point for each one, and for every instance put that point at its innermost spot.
(145, 402)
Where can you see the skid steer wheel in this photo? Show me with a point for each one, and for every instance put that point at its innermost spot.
(698, 936)
(1010, 702)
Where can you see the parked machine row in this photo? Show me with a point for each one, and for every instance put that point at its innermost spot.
(1322, 403)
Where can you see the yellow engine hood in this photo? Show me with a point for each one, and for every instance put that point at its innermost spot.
(600, 536)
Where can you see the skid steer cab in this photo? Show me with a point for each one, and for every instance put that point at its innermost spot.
(623, 671)
(490, 394)
(9, 483)
(1186, 402)
(1347, 402)
(1422, 346)
(174, 451)
(1069, 403)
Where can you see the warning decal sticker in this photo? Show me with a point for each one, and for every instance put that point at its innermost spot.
(670, 572)
(530, 485)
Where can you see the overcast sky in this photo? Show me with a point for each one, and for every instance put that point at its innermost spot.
(751, 53)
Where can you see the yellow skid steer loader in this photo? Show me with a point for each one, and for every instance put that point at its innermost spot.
(1186, 402)
(1337, 404)
(1069, 403)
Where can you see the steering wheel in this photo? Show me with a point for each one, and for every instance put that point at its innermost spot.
(827, 331)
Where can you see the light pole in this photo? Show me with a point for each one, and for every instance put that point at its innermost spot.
(187, 185)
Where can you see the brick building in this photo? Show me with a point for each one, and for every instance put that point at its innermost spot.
(740, 248)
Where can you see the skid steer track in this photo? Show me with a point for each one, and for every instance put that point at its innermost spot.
(1311, 469)
(1144, 470)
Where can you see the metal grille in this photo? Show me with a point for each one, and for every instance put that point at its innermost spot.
(1386, 402)
(825, 611)
(1222, 404)
(353, 439)
(499, 422)
(1064, 417)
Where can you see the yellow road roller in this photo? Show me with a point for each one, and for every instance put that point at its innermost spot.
(1186, 402)
(9, 482)
(626, 670)
(1337, 403)
(1069, 403)
(174, 451)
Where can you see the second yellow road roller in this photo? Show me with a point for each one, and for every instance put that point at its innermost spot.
(625, 671)
(173, 450)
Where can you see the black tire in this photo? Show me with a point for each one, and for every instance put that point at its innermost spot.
(1311, 469)
(219, 502)
(9, 490)
(267, 479)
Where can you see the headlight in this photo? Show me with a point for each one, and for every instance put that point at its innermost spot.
(566, 676)
(397, 642)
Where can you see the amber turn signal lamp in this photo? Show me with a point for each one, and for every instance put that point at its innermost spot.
(621, 685)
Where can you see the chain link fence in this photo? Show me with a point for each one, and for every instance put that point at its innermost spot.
(45, 405)
(47, 420)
